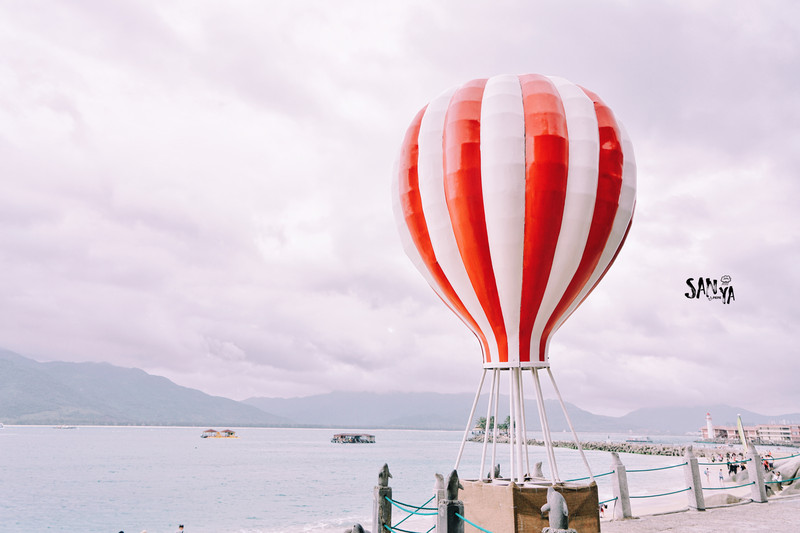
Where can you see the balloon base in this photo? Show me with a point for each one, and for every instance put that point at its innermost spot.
(525, 365)
(502, 506)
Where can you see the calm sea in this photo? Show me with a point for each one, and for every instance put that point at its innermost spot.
(108, 479)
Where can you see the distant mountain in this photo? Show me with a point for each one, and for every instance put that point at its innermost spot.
(100, 393)
(419, 411)
(450, 411)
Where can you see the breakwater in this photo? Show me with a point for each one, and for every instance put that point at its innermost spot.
(642, 448)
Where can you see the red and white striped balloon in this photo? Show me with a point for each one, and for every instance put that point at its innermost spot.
(513, 196)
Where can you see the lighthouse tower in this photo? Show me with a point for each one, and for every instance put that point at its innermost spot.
(709, 426)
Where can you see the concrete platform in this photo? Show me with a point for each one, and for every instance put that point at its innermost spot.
(505, 507)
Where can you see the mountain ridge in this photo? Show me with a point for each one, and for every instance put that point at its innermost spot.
(33, 392)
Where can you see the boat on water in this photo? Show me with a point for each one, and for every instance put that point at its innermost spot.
(353, 438)
(640, 440)
(214, 434)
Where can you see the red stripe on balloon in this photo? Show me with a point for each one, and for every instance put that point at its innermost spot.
(411, 205)
(609, 185)
(546, 163)
(464, 194)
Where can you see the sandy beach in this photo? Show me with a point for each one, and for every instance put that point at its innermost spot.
(776, 515)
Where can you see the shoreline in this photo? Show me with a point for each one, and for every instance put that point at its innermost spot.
(701, 449)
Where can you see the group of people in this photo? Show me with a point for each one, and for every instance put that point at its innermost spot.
(737, 462)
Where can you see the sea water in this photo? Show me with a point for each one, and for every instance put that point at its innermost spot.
(110, 479)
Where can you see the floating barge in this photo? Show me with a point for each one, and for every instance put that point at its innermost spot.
(214, 434)
(353, 438)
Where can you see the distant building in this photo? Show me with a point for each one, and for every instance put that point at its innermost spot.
(760, 433)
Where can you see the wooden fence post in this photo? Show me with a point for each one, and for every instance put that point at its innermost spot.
(382, 508)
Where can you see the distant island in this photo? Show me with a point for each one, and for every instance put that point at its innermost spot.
(59, 393)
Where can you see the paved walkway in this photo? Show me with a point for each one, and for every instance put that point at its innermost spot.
(778, 515)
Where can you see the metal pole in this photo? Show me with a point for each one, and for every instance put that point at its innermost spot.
(513, 472)
(569, 423)
(548, 443)
(518, 424)
(494, 428)
(486, 427)
(524, 425)
(469, 421)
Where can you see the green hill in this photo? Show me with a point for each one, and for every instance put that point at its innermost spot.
(100, 393)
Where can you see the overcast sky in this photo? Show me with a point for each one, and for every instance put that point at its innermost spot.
(201, 190)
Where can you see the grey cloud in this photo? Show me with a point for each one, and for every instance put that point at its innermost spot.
(205, 194)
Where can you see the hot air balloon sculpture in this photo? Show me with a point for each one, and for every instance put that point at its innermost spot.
(513, 196)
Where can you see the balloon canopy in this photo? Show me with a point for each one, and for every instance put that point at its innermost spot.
(513, 196)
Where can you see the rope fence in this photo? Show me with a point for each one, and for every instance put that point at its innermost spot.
(411, 510)
(784, 480)
(450, 513)
(476, 526)
(663, 494)
(588, 477)
(727, 488)
(406, 506)
(660, 468)
(393, 529)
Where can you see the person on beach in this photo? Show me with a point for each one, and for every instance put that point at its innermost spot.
(721, 477)
(180, 528)
(708, 479)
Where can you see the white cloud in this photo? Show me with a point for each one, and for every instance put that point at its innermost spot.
(203, 192)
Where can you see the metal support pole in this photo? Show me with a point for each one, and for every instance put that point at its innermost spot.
(524, 426)
(494, 428)
(512, 463)
(569, 423)
(470, 421)
(517, 425)
(486, 428)
(548, 442)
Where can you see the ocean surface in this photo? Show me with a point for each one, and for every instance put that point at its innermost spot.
(110, 479)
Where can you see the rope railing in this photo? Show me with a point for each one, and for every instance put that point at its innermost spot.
(588, 477)
(664, 494)
(406, 507)
(733, 487)
(659, 468)
(476, 526)
(787, 457)
(385, 502)
(413, 509)
(784, 480)
(393, 529)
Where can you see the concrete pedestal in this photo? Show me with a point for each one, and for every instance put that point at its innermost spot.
(504, 507)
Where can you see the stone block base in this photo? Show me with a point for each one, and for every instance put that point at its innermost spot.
(505, 507)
